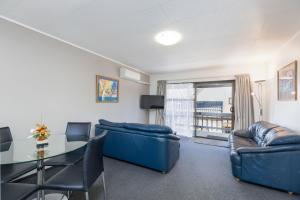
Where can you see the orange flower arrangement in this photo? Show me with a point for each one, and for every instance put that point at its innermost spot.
(41, 132)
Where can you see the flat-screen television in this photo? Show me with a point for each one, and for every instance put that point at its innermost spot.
(152, 102)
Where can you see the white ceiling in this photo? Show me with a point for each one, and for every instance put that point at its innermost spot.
(215, 32)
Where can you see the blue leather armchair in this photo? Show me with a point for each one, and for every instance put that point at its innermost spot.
(267, 154)
(151, 146)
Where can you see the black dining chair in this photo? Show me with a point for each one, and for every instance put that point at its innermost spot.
(82, 175)
(76, 131)
(5, 135)
(10, 172)
(17, 191)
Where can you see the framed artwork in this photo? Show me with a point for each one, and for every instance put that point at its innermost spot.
(107, 90)
(287, 82)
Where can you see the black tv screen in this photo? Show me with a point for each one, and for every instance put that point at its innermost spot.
(152, 102)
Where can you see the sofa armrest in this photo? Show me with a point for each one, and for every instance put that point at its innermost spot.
(242, 133)
(276, 167)
(283, 148)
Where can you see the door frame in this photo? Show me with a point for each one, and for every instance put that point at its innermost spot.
(212, 84)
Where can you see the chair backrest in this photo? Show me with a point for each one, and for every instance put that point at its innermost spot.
(78, 131)
(5, 135)
(93, 160)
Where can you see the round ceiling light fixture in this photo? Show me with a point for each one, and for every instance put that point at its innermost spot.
(168, 38)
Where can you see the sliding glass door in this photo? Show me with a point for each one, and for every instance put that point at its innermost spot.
(214, 114)
(200, 109)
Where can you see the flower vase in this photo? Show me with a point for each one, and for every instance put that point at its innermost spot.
(41, 143)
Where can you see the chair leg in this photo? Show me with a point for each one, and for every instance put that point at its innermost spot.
(104, 188)
(87, 196)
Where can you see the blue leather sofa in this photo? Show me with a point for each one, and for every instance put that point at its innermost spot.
(151, 146)
(267, 154)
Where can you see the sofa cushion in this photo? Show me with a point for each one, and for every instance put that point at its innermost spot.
(259, 130)
(148, 128)
(242, 133)
(112, 124)
(237, 142)
(281, 136)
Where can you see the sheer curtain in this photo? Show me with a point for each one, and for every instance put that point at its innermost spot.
(180, 108)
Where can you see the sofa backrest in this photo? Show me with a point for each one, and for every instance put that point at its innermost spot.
(151, 128)
(112, 124)
(259, 130)
(281, 136)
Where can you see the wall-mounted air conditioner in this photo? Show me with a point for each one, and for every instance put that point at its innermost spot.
(131, 75)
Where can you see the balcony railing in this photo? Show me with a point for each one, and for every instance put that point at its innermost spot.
(213, 122)
(209, 117)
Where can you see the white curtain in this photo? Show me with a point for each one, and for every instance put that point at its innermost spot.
(180, 108)
(243, 102)
(160, 113)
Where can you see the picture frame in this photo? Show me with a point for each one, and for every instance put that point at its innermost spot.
(107, 89)
(287, 82)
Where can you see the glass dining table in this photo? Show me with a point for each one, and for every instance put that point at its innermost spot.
(26, 150)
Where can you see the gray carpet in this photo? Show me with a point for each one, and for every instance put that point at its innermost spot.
(202, 173)
(218, 143)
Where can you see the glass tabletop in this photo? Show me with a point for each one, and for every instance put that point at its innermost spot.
(25, 150)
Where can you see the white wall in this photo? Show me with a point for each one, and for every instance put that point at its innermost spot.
(41, 75)
(285, 113)
(257, 71)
